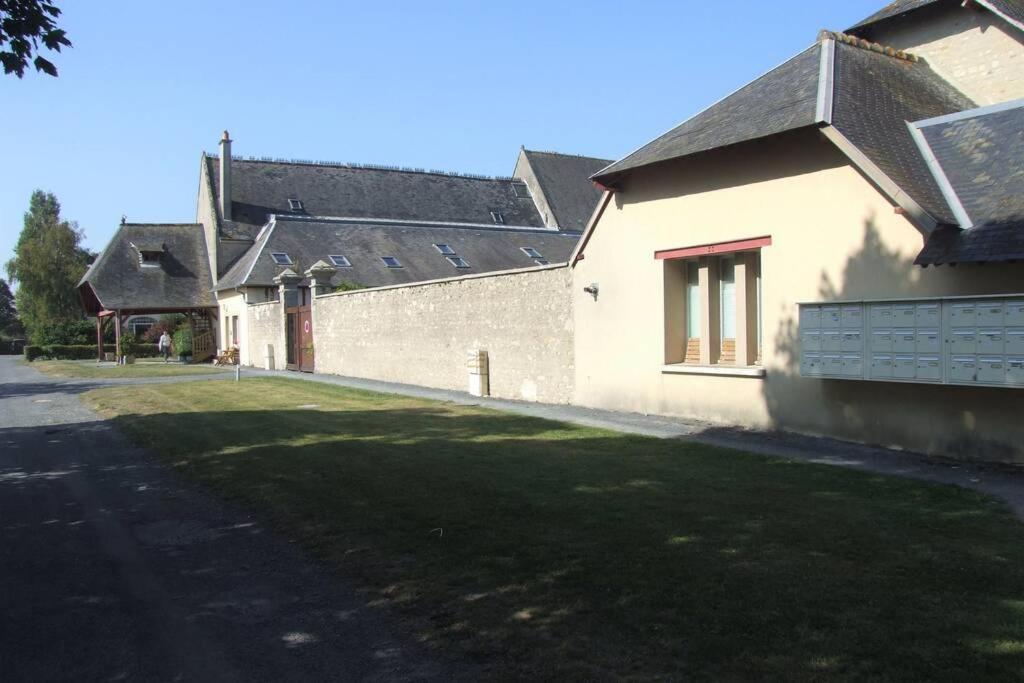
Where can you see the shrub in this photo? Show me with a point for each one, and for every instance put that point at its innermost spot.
(167, 323)
(183, 341)
(60, 352)
(71, 351)
(348, 286)
(67, 332)
(128, 344)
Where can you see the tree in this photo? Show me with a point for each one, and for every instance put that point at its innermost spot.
(10, 325)
(47, 265)
(23, 25)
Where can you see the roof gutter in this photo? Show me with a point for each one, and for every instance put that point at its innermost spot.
(924, 221)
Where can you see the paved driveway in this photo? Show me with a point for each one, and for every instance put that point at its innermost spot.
(111, 568)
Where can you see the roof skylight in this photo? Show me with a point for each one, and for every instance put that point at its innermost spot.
(531, 252)
(340, 260)
(281, 258)
(391, 262)
(445, 249)
(521, 190)
(458, 262)
(295, 205)
(497, 217)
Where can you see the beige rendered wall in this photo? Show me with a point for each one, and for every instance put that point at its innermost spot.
(206, 213)
(972, 48)
(230, 303)
(834, 237)
(265, 325)
(420, 334)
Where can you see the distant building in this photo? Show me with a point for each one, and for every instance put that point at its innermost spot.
(371, 225)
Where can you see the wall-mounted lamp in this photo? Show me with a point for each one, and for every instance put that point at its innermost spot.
(591, 289)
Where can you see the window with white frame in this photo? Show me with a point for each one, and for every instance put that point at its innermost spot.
(713, 309)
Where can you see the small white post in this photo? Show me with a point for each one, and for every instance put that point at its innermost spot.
(238, 371)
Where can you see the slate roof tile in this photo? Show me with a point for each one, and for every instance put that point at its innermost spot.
(564, 179)
(181, 280)
(363, 244)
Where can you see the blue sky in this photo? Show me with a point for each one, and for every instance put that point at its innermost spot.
(451, 85)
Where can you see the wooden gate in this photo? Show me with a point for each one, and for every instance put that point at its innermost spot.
(300, 338)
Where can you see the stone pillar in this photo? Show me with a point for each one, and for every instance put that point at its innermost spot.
(746, 308)
(288, 290)
(319, 274)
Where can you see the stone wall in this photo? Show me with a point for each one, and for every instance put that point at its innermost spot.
(420, 334)
(972, 48)
(265, 326)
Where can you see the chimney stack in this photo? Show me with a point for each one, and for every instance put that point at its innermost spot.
(225, 177)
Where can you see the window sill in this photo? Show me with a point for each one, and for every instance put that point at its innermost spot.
(721, 370)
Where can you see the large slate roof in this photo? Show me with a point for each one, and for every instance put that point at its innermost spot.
(307, 241)
(181, 280)
(875, 95)
(565, 181)
(260, 188)
(893, 9)
(782, 99)
(979, 157)
(1013, 10)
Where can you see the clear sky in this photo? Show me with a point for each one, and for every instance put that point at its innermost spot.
(448, 85)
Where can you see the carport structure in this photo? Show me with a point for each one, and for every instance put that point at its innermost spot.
(153, 269)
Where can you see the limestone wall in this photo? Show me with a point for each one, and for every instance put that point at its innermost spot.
(265, 326)
(420, 334)
(972, 48)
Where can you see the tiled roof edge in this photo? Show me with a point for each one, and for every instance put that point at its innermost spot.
(367, 167)
(867, 45)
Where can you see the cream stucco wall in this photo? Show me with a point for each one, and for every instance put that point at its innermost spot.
(420, 334)
(231, 303)
(972, 48)
(833, 237)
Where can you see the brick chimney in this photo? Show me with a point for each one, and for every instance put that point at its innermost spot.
(225, 177)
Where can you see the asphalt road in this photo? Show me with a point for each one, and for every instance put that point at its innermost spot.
(113, 568)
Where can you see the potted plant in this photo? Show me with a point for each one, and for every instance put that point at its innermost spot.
(126, 351)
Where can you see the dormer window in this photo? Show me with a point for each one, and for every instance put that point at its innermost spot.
(281, 258)
(340, 261)
(149, 253)
(294, 205)
(497, 217)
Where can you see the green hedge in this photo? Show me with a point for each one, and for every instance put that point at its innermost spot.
(60, 352)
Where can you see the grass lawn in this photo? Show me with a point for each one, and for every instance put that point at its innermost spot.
(90, 369)
(588, 554)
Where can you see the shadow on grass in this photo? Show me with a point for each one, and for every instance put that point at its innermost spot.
(544, 549)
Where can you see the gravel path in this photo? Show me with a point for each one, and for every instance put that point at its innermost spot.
(115, 569)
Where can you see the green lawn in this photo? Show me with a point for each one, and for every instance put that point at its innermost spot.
(545, 550)
(90, 369)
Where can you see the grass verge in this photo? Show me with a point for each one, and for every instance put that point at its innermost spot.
(90, 369)
(547, 550)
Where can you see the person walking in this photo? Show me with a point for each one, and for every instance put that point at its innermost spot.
(164, 345)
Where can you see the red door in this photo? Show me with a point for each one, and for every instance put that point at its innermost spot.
(305, 338)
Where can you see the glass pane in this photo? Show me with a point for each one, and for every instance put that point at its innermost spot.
(727, 296)
(692, 300)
